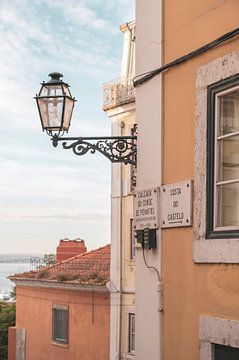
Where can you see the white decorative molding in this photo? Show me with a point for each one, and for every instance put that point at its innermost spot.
(20, 344)
(205, 250)
(215, 330)
(59, 285)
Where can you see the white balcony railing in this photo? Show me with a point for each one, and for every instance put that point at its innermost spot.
(118, 92)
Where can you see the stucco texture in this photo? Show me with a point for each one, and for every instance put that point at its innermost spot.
(88, 323)
(190, 289)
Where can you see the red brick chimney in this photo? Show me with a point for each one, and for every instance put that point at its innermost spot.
(70, 248)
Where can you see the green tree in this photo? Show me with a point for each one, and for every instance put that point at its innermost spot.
(13, 293)
(49, 259)
(7, 319)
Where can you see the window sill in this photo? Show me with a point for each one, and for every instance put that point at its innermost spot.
(216, 330)
(216, 251)
(56, 343)
(129, 356)
(222, 234)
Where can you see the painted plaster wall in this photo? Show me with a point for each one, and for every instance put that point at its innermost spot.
(125, 114)
(190, 289)
(128, 272)
(122, 118)
(12, 343)
(129, 264)
(88, 325)
(148, 116)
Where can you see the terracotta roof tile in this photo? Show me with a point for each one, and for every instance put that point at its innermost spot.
(90, 268)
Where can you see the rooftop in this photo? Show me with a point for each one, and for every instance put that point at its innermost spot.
(89, 268)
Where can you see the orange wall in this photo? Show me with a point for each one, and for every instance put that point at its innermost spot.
(88, 323)
(190, 289)
(69, 248)
(12, 343)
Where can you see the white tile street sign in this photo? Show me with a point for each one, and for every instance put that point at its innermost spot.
(177, 204)
(146, 209)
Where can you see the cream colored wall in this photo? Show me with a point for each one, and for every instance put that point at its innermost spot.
(148, 114)
(122, 118)
(128, 299)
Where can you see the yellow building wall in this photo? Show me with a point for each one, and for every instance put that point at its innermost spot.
(190, 289)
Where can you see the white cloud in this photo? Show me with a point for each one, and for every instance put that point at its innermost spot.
(79, 12)
(50, 193)
(71, 215)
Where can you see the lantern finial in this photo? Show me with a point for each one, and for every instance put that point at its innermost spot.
(55, 77)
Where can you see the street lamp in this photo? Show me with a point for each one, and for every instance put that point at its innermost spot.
(55, 105)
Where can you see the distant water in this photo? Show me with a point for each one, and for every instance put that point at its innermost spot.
(10, 265)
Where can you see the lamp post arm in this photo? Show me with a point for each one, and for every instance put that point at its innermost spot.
(118, 149)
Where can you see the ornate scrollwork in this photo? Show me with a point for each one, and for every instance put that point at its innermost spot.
(116, 149)
(133, 167)
(79, 147)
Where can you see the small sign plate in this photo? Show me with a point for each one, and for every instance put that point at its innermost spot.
(146, 206)
(177, 204)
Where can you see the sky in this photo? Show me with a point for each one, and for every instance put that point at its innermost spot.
(46, 193)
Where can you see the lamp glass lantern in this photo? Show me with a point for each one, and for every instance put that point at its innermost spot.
(55, 104)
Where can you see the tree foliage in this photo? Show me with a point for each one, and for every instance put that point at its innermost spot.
(49, 259)
(13, 293)
(7, 319)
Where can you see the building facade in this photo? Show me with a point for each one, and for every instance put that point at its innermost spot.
(63, 311)
(119, 105)
(187, 96)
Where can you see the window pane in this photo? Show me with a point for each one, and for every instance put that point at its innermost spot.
(60, 325)
(131, 335)
(51, 111)
(66, 90)
(222, 352)
(229, 113)
(53, 90)
(132, 240)
(228, 158)
(69, 104)
(228, 205)
(223, 159)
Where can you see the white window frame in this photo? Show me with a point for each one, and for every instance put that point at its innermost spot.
(218, 250)
(132, 240)
(214, 140)
(215, 330)
(216, 161)
(60, 342)
(131, 315)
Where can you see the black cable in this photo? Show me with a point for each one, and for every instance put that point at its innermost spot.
(140, 79)
(151, 267)
(126, 304)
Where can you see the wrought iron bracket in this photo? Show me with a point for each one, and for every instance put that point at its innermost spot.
(118, 149)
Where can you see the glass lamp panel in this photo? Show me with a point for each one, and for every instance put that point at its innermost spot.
(69, 104)
(51, 90)
(66, 90)
(229, 113)
(51, 112)
(228, 161)
(227, 205)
